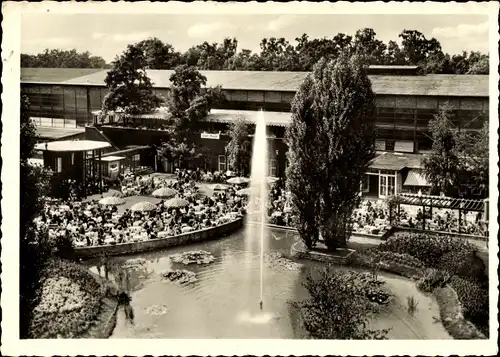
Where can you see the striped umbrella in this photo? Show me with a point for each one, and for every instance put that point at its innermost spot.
(238, 180)
(165, 192)
(111, 201)
(144, 206)
(176, 202)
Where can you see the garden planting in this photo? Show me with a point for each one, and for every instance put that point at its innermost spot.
(69, 301)
(438, 262)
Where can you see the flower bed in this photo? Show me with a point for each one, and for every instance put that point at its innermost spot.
(195, 256)
(69, 301)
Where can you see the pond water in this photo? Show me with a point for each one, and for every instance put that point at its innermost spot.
(224, 301)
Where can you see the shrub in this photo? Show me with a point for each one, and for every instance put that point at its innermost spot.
(433, 279)
(377, 255)
(337, 308)
(430, 249)
(475, 302)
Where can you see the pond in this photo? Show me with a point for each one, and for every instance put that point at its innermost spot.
(224, 301)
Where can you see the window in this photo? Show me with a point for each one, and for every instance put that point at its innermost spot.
(222, 163)
(272, 168)
(389, 145)
(136, 157)
(58, 164)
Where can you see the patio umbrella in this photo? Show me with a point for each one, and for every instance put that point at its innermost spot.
(112, 201)
(219, 187)
(243, 192)
(165, 192)
(238, 180)
(113, 193)
(176, 202)
(143, 207)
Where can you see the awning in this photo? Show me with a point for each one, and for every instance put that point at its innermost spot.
(394, 161)
(414, 178)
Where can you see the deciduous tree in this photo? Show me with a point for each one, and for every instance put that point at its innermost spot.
(130, 89)
(239, 146)
(442, 166)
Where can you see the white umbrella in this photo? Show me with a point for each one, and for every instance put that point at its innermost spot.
(143, 207)
(238, 180)
(219, 187)
(176, 202)
(165, 192)
(111, 201)
(244, 192)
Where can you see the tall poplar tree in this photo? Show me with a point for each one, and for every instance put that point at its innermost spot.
(331, 143)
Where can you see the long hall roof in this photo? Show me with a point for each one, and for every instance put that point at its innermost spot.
(425, 85)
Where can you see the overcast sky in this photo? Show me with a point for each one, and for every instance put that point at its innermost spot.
(107, 35)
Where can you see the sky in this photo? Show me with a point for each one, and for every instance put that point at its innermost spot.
(107, 35)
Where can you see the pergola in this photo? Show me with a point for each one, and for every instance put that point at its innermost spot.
(460, 204)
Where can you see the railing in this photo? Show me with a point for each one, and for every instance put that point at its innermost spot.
(54, 122)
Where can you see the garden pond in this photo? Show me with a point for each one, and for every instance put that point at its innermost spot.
(222, 298)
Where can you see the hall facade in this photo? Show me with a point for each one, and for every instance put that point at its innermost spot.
(405, 103)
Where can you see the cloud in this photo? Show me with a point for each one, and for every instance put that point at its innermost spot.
(462, 30)
(126, 37)
(280, 22)
(205, 29)
(58, 41)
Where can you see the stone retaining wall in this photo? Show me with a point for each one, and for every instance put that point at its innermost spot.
(159, 243)
(298, 251)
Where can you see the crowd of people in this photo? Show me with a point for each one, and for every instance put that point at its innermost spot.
(90, 223)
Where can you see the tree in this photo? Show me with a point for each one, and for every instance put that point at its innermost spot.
(130, 89)
(417, 48)
(159, 55)
(367, 46)
(62, 59)
(31, 253)
(443, 165)
(239, 147)
(473, 148)
(330, 142)
(394, 55)
(337, 307)
(188, 104)
(480, 66)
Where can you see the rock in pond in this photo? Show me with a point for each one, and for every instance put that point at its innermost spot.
(157, 310)
(277, 260)
(180, 276)
(192, 257)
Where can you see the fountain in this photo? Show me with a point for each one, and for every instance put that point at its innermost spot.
(259, 192)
